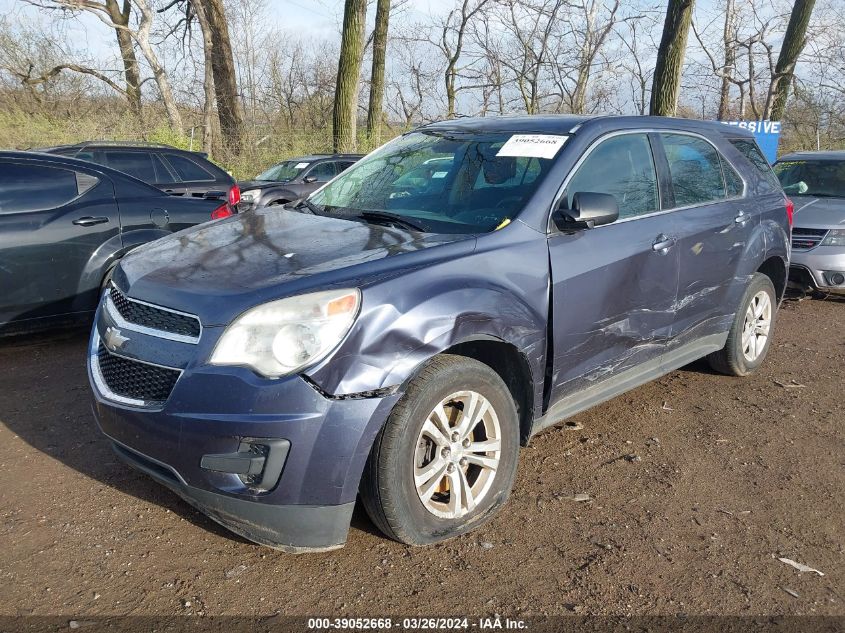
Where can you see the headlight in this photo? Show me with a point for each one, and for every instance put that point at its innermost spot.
(281, 337)
(249, 196)
(835, 237)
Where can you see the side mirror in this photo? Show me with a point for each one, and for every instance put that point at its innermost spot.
(588, 210)
(309, 179)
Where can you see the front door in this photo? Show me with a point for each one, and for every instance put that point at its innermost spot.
(614, 286)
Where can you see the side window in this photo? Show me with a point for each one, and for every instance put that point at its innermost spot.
(163, 175)
(323, 172)
(344, 165)
(187, 169)
(749, 149)
(623, 167)
(733, 182)
(137, 164)
(695, 168)
(34, 188)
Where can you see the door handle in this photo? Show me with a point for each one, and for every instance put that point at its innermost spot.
(662, 244)
(90, 221)
(742, 218)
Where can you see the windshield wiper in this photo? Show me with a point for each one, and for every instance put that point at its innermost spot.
(392, 218)
(305, 203)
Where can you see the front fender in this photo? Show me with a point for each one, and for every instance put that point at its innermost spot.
(276, 193)
(499, 291)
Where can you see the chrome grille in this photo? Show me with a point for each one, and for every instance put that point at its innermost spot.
(152, 317)
(805, 239)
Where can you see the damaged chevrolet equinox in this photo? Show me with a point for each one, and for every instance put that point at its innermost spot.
(397, 335)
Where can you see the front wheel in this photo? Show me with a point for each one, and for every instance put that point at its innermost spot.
(751, 333)
(446, 458)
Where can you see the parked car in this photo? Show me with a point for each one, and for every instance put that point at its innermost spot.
(175, 171)
(816, 182)
(293, 179)
(270, 366)
(64, 225)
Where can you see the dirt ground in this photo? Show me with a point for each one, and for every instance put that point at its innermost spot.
(698, 483)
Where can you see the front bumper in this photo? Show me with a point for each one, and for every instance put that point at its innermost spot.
(290, 528)
(818, 267)
(216, 411)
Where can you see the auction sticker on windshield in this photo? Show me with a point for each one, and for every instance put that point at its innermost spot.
(532, 145)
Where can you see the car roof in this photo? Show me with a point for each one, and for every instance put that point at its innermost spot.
(835, 154)
(570, 124)
(72, 162)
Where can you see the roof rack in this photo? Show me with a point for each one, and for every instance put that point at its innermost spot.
(122, 144)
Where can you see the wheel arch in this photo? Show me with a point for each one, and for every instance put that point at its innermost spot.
(777, 270)
(512, 367)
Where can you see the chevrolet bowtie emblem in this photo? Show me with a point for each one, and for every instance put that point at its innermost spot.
(114, 339)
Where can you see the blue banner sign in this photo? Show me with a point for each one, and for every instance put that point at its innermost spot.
(767, 134)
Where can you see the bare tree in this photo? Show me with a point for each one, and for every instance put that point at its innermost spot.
(140, 35)
(374, 108)
(670, 58)
(451, 40)
(348, 74)
(794, 41)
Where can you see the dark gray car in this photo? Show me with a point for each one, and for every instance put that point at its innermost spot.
(397, 339)
(293, 179)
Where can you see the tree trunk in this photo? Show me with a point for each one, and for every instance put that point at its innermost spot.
(131, 71)
(229, 107)
(374, 109)
(142, 38)
(793, 43)
(348, 73)
(670, 58)
(728, 40)
(208, 78)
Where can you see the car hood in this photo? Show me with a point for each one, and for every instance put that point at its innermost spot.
(219, 269)
(819, 213)
(246, 185)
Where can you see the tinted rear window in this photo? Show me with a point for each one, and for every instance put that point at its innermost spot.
(34, 187)
(187, 169)
(749, 149)
(137, 164)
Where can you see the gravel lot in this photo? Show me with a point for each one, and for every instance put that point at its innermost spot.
(697, 484)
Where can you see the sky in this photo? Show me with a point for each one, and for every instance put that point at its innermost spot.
(319, 18)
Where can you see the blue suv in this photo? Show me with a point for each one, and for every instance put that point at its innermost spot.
(398, 340)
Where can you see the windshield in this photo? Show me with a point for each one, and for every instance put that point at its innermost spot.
(287, 170)
(823, 178)
(443, 182)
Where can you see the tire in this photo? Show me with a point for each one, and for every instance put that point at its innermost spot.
(388, 488)
(733, 359)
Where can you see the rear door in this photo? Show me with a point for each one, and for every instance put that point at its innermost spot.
(614, 286)
(714, 222)
(53, 220)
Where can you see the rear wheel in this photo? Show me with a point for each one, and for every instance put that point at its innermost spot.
(751, 333)
(446, 458)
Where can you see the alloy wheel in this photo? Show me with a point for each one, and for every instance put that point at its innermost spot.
(755, 329)
(457, 455)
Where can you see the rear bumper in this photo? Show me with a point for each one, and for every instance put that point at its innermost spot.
(290, 528)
